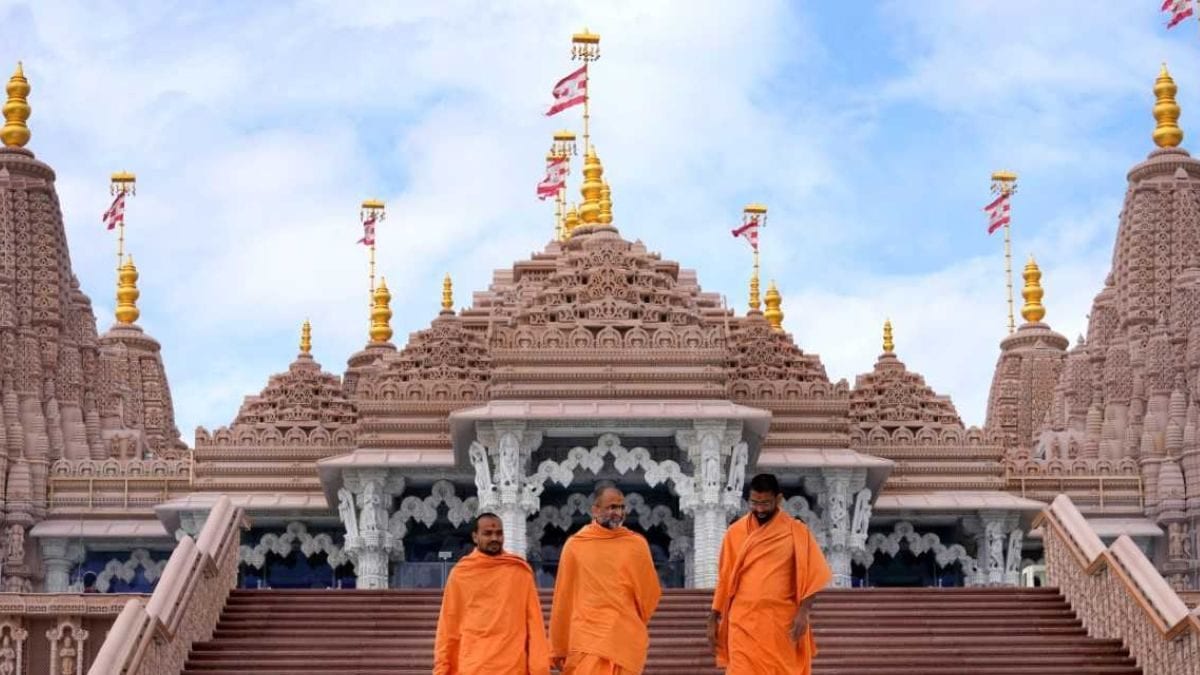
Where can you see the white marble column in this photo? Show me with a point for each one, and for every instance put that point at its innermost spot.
(366, 504)
(718, 457)
(60, 556)
(846, 515)
(998, 542)
(506, 446)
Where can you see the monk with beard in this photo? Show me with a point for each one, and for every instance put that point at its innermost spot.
(491, 618)
(606, 591)
(771, 569)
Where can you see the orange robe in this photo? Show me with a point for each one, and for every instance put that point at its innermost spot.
(606, 591)
(765, 572)
(491, 619)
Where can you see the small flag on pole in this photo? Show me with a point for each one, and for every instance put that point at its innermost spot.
(368, 238)
(749, 231)
(555, 180)
(998, 212)
(1178, 9)
(570, 91)
(115, 215)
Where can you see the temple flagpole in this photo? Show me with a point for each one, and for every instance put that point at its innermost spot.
(585, 47)
(1004, 185)
(372, 212)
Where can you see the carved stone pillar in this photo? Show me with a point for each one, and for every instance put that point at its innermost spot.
(998, 542)
(506, 446)
(718, 457)
(60, 556)
(12, 646)
(846, 516)
(365, 505)
(66, 647)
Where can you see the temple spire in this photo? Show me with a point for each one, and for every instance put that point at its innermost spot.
(447, 295)
(570, 222)
(593, 186)
(15, 133)
(127, 293)
(774, 303)
(605, 217)
(381, 313)
(306, 338)
(1167, 133)
(1033, 311)
(889, 346)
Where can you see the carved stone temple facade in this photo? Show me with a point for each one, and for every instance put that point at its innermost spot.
(594, 358)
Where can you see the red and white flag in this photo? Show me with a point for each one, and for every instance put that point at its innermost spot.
(115, 215)
(571, 90)
(368, 231)
(998, 213)
(555, 180)
(750, 231)
(1178, 9)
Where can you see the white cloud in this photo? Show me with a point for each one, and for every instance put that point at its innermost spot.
(257, 129)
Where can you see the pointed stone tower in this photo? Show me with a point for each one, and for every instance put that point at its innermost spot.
(53, 382)
(1028, 368)
(1132, 388)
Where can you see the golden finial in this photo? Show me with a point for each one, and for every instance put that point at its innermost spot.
(127, 293)
(589, 208)
(447, 295)
(889, 347)
(755, 303)
(570, 222)
(1167, 133)
(605, 216)
(15, 133)
(306, 338)
(1033, 311)
(381, 313)
(774, 302)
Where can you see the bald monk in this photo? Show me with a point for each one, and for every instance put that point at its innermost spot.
(771, 569)
(491, 619)
(606, 591)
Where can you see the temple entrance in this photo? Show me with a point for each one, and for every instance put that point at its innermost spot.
(295, 570)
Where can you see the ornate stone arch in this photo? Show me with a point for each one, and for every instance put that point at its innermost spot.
(125, 571)
(425, 511)
(283, 544)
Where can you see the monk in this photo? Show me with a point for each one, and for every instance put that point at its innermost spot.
(606, 591)
(770, 571)
(491, 619)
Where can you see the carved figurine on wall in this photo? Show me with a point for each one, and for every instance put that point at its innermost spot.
(346, 510)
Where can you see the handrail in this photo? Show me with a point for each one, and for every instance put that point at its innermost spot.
(1117, 592)
(154, 638)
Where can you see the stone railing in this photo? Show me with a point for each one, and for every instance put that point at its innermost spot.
(154, 637)
(1118, 594)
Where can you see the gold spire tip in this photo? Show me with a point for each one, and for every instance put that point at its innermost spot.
(755, 209)
(381, 313)
(593, 186)
(373, 204)
(127, 293)
(306, 338)
(889, 345)
(774, 303)
(15, 133)
(447, 294)
(1167, 133)
(1033, 311)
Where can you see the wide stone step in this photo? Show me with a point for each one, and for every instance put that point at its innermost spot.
(860, 632)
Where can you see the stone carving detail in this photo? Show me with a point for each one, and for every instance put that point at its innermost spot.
(918, 544)
(66, 647)
(12, 647)
(15, 545)
(370, 549)
(283, 544)
(425, 511)
(126, 570)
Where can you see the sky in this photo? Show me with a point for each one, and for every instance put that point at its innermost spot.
(870, 130)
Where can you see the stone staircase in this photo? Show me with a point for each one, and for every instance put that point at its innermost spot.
(859, 632)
